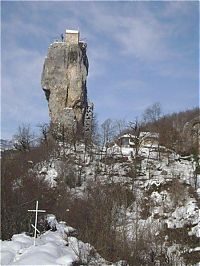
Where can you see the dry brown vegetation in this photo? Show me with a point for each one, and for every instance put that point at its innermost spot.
(171, 131)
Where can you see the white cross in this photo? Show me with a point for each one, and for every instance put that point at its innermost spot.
(36, 215)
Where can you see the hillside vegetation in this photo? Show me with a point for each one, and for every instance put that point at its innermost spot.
(142, 208)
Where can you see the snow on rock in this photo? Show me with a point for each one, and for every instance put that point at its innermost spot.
(9, 249)
(198, 192)
(60, 226)
(184, 215)
(7, 256)
(50, 174)
(50, 249)
(51, 220)
(23, 239)
(195, 230)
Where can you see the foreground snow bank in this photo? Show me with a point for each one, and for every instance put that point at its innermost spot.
(52, 248)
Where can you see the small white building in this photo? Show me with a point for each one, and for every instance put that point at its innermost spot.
(125, 144)
(72, 36)
(126, 141)
(146, 139)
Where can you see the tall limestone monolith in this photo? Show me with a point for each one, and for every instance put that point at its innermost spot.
(63, 80)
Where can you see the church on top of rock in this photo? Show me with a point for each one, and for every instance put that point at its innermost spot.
(72, 36)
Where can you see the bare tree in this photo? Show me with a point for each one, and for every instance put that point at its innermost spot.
(120, 126)
(151, 118)
(23, 138)
(108, 132)
(152, 113)
(44, 130)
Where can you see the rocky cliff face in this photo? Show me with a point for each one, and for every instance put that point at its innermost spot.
(64, 83)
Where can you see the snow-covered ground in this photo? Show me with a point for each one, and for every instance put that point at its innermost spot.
(52, 248)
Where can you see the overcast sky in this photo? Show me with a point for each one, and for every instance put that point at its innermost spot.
(139, 53)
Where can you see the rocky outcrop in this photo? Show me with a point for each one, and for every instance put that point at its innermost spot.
(64, 83)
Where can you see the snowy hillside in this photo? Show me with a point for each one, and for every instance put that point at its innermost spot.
(165, 190)
(145, 213)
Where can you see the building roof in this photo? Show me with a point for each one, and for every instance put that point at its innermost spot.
(127, 136)
(72, 31)
(142, 135)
